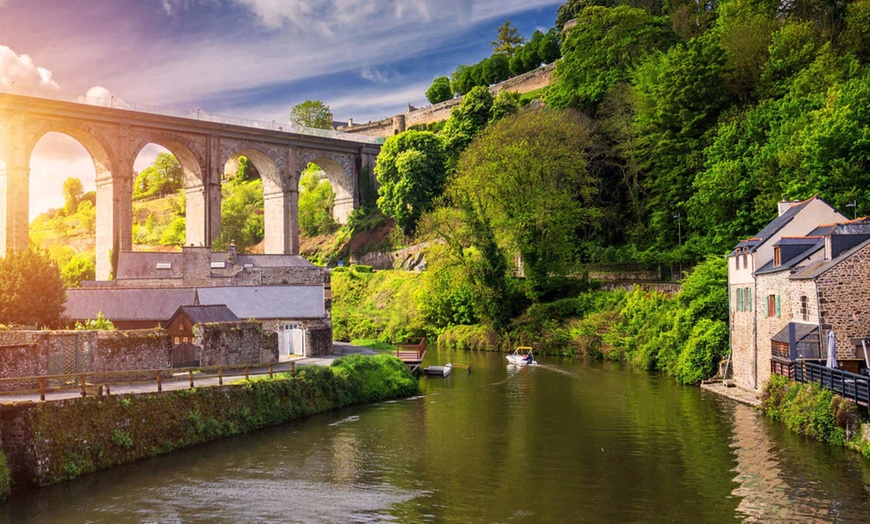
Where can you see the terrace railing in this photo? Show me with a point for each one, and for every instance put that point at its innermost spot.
(852, 386)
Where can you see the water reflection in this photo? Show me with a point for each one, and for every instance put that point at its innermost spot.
(785, 478)
(560, 442)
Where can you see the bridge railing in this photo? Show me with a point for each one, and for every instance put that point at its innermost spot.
(193, 114)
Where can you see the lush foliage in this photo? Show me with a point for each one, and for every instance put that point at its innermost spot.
(242, 219)
(376, 305)
(809, 410)
(527, 177)
(101, 323)
(312, 113)
(411, 172)
(165, 176)
(315, 202)
(439, 91)
(31, 290)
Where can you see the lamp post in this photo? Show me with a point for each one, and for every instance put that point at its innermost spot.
(679, 246)
(854, 206)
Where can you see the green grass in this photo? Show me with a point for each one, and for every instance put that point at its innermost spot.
(372, 343)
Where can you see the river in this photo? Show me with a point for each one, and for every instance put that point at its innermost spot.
(564, 441)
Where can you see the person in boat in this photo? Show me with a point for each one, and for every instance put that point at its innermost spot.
(528, 358)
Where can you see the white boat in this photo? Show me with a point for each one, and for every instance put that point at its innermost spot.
(522, 356)
(439, 371)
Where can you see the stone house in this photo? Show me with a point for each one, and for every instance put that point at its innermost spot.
(780, 310)
(286, 293)
(795, 219)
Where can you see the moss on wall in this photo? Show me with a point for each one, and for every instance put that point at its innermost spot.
(74, 437)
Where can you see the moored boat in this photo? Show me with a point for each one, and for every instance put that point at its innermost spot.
(438, 371)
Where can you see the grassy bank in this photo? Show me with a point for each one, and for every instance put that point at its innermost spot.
(683, 336)
(74, 437)
(809, 410)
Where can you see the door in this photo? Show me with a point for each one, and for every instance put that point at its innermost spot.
(291, 341)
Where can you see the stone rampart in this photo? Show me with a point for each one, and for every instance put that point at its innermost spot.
(439, 112)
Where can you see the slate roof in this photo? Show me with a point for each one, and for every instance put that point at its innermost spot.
(144, 265)
(267, 302)
(772, 227)
(816, 269)
(126, 304)
(801, 332)
(207, 314)
(259, 302)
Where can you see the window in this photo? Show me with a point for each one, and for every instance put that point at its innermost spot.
(745, 260)
(777, 261)
(737, 262)
(185, 340)
(771, 305)
(805, 308)
(177, 340)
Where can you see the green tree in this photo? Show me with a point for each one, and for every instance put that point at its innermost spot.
(600, 52)
(165, 176)
(468, 119)
(509, 39)
(72, 195)
(411, 172)
(311, 113)
(242, 218)
(527, 177)
(31, 290)
(439, 91)
(80, 267)
(315, 202)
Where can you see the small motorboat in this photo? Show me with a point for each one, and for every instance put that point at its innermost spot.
(522, 356)
(438, 371)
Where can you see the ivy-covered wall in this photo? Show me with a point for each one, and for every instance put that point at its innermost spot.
(50, 442)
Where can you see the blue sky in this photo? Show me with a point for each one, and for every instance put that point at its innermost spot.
(366, 59)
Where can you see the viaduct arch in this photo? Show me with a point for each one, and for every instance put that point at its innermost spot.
(204, 145)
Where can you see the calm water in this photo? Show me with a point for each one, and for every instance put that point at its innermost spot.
(565, 441)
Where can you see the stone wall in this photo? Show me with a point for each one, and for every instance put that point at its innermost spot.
(235, 343)
(844, 299)
(318, 334)
(132, 350)
(439, 112)
(743, 361)
(767, 326)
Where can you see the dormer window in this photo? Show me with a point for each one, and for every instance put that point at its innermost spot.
(777, 261)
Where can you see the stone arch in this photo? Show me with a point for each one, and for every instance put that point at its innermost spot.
(111, 180)
(279, 205)
(190, 152)
(340, 170)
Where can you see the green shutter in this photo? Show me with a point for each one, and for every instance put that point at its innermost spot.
(777, 306)
(749, 299)
(740, 299)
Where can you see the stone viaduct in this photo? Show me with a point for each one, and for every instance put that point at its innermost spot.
(206, 146)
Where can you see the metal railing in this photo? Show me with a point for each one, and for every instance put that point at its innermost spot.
(849, 385)
(193, 114)
(98, 383)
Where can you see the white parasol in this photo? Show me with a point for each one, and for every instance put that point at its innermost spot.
(832, 349)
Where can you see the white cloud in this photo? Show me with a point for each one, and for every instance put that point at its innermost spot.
(373, 75)
(98, 92)
(20, 71)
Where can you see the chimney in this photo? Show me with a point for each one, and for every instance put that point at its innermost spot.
(231, 253)
(350, 122)
(784, 205)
